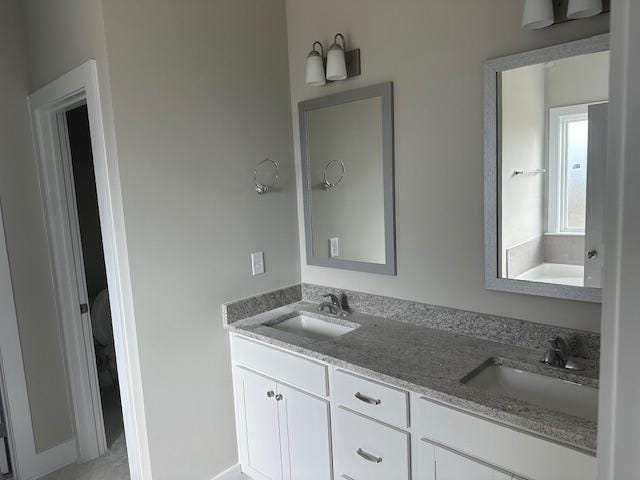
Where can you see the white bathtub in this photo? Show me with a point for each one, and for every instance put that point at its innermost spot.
(559, 273)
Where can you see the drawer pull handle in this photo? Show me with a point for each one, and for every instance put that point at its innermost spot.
(368, 457)
(366, 399)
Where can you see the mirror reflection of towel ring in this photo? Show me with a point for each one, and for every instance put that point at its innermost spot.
(326, 184)
(261, 187)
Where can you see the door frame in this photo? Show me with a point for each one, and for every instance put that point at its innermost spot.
(618, 420)
(77, 87)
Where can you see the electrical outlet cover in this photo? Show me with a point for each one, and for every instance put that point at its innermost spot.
(334, 247)
(257, 263)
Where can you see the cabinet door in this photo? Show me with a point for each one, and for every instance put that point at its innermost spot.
(258, 426)
(450, 466)
(306, 440)
(424, 461)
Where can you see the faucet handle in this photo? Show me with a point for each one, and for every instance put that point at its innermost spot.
(334, 299)
(559, 344)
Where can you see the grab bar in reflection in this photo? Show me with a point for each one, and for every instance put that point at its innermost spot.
(529, 172)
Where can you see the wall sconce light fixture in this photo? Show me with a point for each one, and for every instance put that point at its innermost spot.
(583, 8)
(315, 66)
(537, 14)
(542, 13)
(336, 65)
(341, 63)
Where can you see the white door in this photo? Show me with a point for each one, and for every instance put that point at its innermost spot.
(306, 439)
(258, 426)
(594, 228)
(450, 466)
(27, 462)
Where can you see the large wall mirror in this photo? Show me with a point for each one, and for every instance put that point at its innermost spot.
(545, 152)
(346, 143)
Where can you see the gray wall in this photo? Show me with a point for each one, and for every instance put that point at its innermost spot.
(200, 96)
(523, 148)
(40, 335)
(433, 52)
(353, 211)
(577, 80)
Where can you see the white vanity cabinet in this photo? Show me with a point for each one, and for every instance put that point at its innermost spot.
(435, 463)
(258, 425)
(283, 431)
(300, 419)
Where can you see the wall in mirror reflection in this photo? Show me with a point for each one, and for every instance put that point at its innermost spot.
(553, 147)
(348, 218)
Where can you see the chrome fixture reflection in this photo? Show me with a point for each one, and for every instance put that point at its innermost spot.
(326, 184)
(336, 305)
(558, 355)
(262, 188)
(536, 171)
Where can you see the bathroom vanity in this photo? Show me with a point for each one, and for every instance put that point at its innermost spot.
(364, 397)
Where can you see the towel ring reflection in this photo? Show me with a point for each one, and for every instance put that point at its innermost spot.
(261, 187)
(326, 184)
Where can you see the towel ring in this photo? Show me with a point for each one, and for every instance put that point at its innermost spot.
(326, 184)
(261, 187)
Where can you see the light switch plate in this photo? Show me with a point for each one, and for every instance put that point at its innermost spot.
(334, 247)
(257, 263)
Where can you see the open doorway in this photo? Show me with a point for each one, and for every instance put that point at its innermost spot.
(93, 294)
(95, 275)
(92, 448)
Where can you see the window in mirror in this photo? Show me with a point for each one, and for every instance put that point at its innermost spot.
(568, 153)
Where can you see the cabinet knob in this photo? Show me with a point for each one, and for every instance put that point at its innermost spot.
(592, 254)
(270, 394)
(279, 397)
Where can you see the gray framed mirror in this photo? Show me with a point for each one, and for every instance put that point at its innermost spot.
(346, 143)
(545, 155)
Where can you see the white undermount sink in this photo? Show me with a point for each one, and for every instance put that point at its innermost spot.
(312, 327)
(553, 393)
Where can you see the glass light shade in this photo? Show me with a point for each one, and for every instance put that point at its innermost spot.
(336, 65)
(583, 8)
(315, 69)
(537, 14)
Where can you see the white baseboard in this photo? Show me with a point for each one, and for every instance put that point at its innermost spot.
(231, 473)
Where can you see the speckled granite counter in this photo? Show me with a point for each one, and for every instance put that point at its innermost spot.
(432, 362)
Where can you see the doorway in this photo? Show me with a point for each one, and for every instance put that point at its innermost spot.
(92, 274)
(69, 126)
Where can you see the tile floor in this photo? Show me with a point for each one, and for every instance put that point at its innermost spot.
(114, 464)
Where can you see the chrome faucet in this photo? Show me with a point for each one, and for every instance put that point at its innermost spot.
(558, 355)
(336, 306)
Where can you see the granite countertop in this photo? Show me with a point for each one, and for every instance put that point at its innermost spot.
(432, 363)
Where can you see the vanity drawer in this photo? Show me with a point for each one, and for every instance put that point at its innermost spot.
(371, 398)
(286, 367)
(507, 448)
(367, 450)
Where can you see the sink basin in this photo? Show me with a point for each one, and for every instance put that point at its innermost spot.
(312, 327)
(560, 395)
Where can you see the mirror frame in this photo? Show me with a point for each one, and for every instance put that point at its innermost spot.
(384, 90)
(492, 161)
